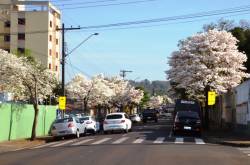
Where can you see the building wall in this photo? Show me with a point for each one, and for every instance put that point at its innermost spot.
(243, 103)
(38, 43)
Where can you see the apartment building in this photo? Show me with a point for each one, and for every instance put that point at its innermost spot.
(30, 27)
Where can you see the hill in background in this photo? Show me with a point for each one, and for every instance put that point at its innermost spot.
(152, 87)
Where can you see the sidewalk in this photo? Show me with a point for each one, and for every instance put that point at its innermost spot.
(15, 145)
(227, 138)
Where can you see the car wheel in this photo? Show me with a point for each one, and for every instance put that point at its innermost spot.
(85, 132)
(56, 138)
(77, 134)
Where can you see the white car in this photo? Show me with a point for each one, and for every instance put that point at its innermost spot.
(135, 118)
(92, 126)
(68, 126)
(117, 121)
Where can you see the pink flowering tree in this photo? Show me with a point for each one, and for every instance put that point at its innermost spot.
(209, 59)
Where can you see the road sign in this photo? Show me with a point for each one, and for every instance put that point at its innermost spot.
(62, 102)
(211, 97)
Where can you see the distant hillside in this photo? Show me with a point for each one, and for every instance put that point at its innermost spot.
(154, 87)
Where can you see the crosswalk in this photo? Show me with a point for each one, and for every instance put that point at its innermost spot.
(123, 140)
(245, 151)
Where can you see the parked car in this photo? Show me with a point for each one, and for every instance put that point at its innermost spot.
(68, 126)
(135, 118)
(92, 126)
(150, 114)
(187, 121)
(117, 122)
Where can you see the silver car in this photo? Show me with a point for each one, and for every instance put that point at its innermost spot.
(68, 126)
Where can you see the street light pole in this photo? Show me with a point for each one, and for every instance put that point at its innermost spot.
(63, 29)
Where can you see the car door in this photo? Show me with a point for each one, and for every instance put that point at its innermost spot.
(79, 125)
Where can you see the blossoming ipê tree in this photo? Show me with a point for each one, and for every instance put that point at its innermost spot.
(27, 80)
(209, 59)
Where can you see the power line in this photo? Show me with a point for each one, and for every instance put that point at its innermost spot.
(241, 9)
(83, 3)
(88, 75)
(173, 18)
(111, 4)
(165, 24)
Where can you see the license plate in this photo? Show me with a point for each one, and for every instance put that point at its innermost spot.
(187, 128)
(62, 131)
(149, 117)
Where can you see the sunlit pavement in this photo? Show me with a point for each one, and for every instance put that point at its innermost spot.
(148, 144)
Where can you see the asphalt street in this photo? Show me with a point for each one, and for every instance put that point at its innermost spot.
(147, 144)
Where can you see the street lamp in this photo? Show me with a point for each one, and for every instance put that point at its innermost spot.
(70, 52)
(86, 39)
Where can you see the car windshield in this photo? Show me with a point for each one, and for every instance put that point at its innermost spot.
(65, 120)
(84, 118)
(116, 116)
(188, 114)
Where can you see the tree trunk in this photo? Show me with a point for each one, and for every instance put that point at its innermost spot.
(36, 109)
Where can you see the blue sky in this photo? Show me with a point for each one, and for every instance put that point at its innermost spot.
(142, 50)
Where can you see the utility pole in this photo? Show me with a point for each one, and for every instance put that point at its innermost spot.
(63, 29)
(123, 73)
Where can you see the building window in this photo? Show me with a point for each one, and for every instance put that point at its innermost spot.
(57, 27)
(21, 36)
(50, 24)
(21, 21)
(49, 66)
(7, 38)
(57, 41)
(56, 67)
(50, 52)
(56, 54)
(50, 37)
(7, 24)
(21, 50)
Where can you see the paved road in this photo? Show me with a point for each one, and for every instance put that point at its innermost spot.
(150, 144)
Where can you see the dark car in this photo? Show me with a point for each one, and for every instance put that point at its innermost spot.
(150, 114)
(187, 122)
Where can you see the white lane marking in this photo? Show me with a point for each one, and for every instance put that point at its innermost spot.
(82, 142)
(159, 140)
(244, 149)
(199, 141)
(178, 141)
(46, 145)
(120, 140)
(248, 154)
(140, 140)
(102, 141)
(64, 143)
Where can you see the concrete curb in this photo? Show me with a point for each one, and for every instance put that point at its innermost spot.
(228, 143)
